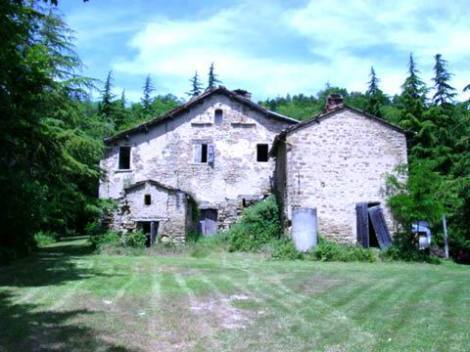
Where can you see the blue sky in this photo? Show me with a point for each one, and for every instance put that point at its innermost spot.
(268, 47)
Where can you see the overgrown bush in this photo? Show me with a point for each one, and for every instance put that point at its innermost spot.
(112, 242)
(204, 246)
(107, 239)
(134, 239)
(329, 251)
(404, 249)
(44, 238)
(258, 225)
(285, 250)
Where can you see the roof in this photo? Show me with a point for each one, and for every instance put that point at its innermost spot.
(144, 127)
(152, 182)
(320, 117)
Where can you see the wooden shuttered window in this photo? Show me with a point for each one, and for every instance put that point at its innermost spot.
(204, 153)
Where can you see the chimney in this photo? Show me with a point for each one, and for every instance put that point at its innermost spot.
(333, 102)
(243, 93)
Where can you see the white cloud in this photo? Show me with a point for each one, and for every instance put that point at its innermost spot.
(351, 36)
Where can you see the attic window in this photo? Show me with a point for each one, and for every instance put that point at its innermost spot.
(262, 153)
(147, 199)
(218, 116)
(124, 158)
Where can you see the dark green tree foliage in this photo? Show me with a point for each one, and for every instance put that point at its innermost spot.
(444, 92)
(412, 104)
(418, 196)
(148, 89)
(107, 97)
(48, 163)
(375, 97)
(196, 86)
(413, 96)
(212, 80)
(123, 99)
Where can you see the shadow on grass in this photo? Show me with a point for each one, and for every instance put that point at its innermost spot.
(25, 328)
(30, 327)
(49, 266)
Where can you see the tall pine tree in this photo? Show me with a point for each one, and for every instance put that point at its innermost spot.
(148, 88)
(413, 97)
(107, 96)
(196, 86)
(412, 105)
(123, 99)
(212, 79)
(375, 97)
(445, 93)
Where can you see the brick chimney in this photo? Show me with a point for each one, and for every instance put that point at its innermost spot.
(333, 102)
(243, 93)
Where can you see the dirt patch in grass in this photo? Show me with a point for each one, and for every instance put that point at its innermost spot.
(223, 311)
(318, 284)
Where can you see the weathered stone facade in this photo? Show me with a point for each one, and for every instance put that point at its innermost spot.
(169, 151)
(170, 210)
(334, 162)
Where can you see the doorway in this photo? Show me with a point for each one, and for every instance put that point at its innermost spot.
(207, 225)
(150, 229)
(371, 228)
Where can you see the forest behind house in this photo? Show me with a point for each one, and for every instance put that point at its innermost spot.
(51, 133)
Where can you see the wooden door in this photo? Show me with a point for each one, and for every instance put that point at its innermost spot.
(208, 222)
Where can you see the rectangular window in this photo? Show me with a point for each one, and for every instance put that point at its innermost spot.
(203, 153)
(218, 116)
(147, 199)
(124, 158)
(262, 152)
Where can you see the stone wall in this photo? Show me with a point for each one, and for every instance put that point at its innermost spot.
(166, 154)
(168, 207)
(335, 164)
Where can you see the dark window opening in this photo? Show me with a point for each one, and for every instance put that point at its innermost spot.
(147, 199)
(262, 153)
(204, 153)
(150, 229)
(124, 158)
(218, 116)
(371, 229)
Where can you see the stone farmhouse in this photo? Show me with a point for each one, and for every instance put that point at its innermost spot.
(212, 152)
(337, 163)
(198, 166)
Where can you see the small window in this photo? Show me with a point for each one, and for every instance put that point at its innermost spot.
(218, 116)
(124, 158)
(147, 199)
(262, 153)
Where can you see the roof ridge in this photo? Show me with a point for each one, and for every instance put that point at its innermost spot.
(180, 109)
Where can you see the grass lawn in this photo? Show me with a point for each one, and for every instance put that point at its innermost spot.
(67, 299)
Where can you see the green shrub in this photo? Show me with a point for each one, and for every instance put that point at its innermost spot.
(192, 236)
(285, 250)
(110, 238)
(258, 225)
(134, 239)
(204, 246)
(44, 238)
(404, 249)
(329, 251)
